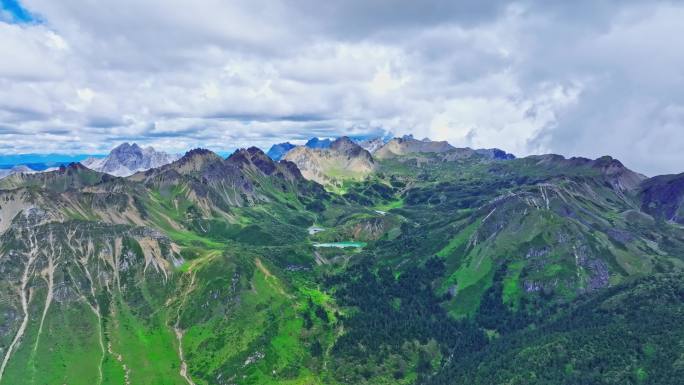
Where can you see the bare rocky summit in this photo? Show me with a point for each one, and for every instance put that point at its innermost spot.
(343, 160)
(127, 159)
(408, 145)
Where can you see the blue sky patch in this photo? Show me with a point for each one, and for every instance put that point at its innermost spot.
(47, 160)
(17, 13)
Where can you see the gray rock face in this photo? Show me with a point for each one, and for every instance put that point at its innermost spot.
(663, 197)
(127, 159)
(344, 159)
(371, 145)
(495, 153)
(408, 145)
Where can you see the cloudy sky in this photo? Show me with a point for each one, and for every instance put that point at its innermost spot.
(587, 79)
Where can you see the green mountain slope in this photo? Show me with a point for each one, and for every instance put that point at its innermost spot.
(241, 271)
(628, 334)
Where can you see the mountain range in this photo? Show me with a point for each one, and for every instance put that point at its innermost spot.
(278, 151)
(25, 169)
(18, 169)
(355, 262)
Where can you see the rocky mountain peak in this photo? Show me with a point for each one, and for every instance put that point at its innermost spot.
(126, 147)
(72, 167)
(18, 169)
(344, 159)
(407, 144)
(256, 151)
(253, 156)
(495, 153)
(197, 152)
(21, 169)
(371, 145)
(346, 146)
(127, 159)
(195, 160)
(608, 164)
(619, 176)
(343, 143)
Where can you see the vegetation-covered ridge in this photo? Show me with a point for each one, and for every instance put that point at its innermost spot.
(425, 264)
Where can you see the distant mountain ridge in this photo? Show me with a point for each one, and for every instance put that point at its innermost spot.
(69, 177)
(372, 144)
(316, 142)
(127, 159)
(277, 151)
(24, 169)
(408, 145)
(337, 165)
(18, 169)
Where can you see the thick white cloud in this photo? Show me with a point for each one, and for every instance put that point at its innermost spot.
(582, 79)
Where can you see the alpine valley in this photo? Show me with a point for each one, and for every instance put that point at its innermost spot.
(398, 261)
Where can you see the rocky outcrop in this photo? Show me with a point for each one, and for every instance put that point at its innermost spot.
(663, 197)
(495, 153)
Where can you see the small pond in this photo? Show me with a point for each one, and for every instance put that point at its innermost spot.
(341, 245)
